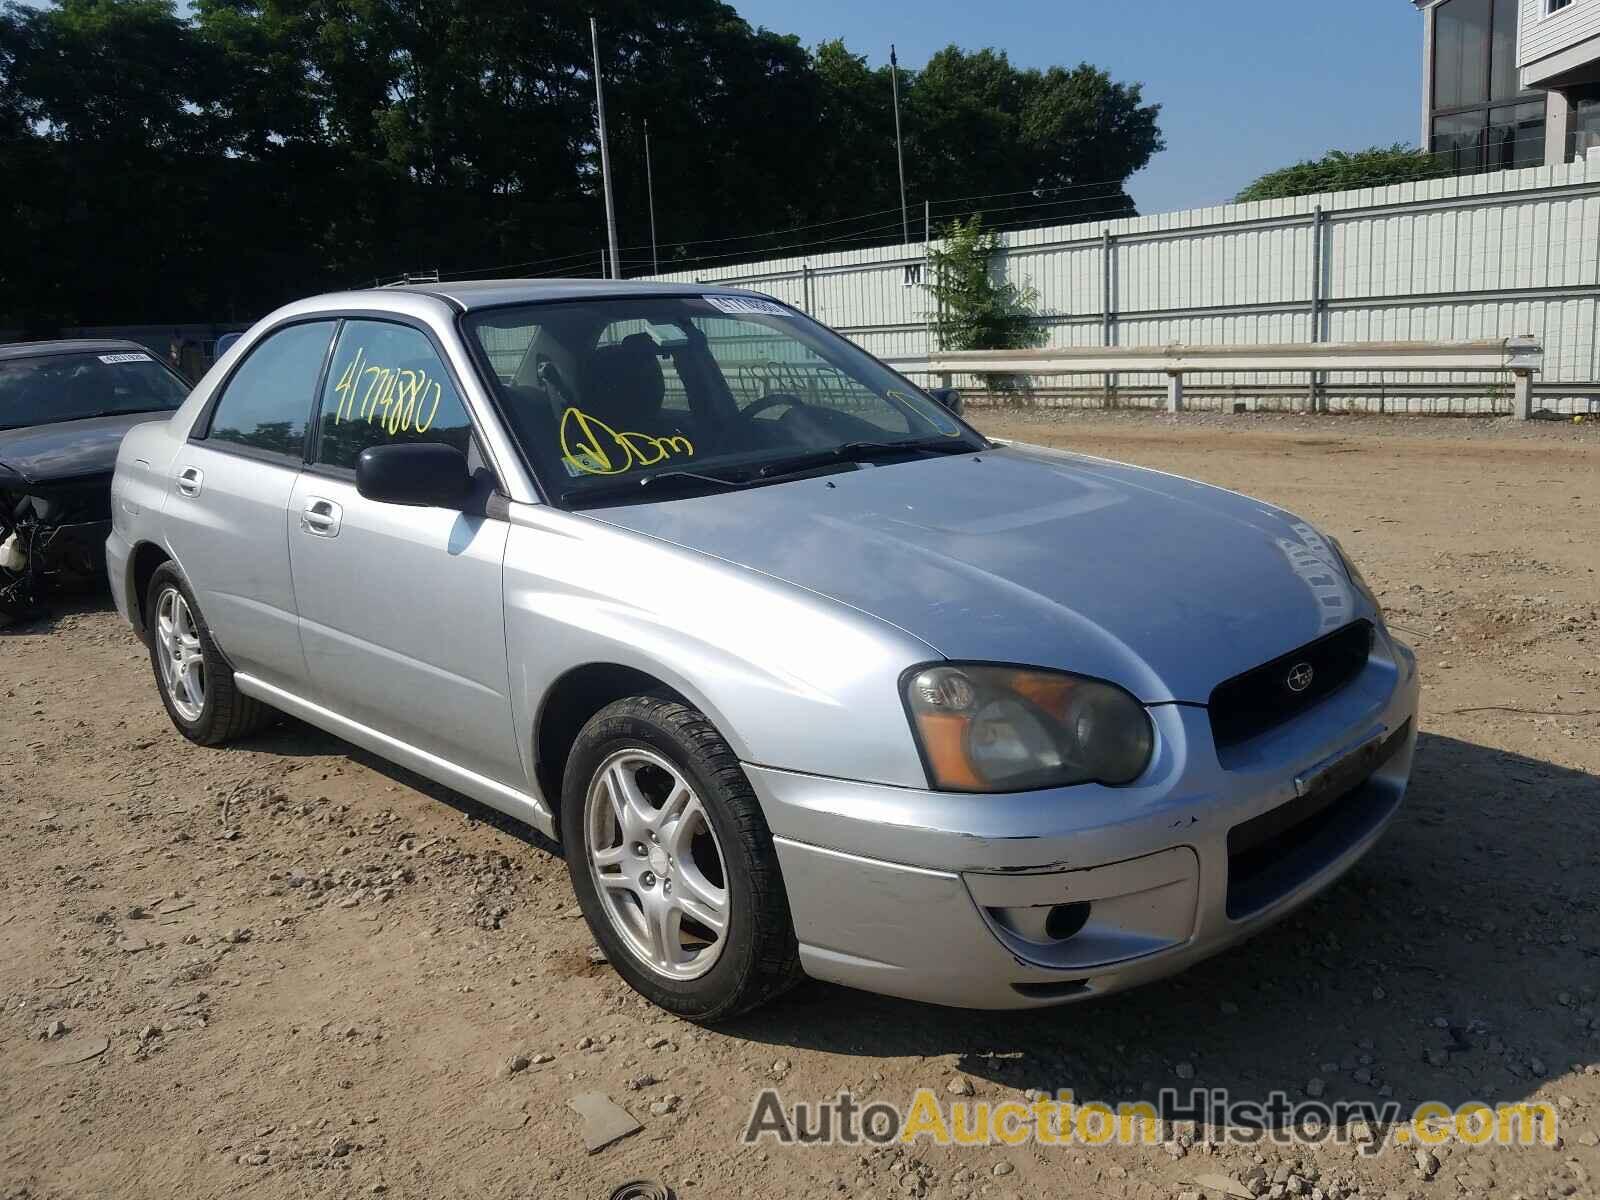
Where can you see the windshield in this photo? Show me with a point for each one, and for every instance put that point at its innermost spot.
(68, 387)
(636, 395)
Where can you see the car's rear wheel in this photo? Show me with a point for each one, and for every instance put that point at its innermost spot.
(673, 863)
(195, 681)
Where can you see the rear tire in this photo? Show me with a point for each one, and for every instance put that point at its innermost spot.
(682, 891)
(195, 681)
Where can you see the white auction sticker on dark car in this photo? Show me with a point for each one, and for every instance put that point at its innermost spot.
(740, 306)
(131, 356)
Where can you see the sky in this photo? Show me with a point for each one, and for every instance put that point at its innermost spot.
(1246, 86)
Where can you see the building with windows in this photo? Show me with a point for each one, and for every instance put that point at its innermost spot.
(1510, 83)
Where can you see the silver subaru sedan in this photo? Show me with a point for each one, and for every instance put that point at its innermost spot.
(807, 676)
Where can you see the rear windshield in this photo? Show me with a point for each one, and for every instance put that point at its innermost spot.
(69, 387)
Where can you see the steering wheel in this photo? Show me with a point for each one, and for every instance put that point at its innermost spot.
(772, 400)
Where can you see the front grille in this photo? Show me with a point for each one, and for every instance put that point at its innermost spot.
(1262, 698)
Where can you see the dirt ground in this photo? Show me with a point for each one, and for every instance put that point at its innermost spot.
(288, 970)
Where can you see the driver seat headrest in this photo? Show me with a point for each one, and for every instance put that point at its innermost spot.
(623, 384)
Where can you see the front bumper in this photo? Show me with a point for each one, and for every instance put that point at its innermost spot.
(948, 898)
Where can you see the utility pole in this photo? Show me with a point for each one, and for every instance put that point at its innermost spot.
(650, 189)
(899, 149)
(605, 152)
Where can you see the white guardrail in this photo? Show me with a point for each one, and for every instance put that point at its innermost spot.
(1521, 356)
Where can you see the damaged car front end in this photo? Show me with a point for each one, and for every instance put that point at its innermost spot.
(64, 407)
(52, 537)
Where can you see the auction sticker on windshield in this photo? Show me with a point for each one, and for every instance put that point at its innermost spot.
(739, 306)
(133, 356)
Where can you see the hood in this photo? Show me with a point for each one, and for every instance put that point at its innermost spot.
(1025, 555)
(68, 449)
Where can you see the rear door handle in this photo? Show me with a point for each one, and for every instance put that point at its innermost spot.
(190, 480)
(321, 517)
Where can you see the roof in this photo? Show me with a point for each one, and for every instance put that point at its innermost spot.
(15, 350)
(469, 294)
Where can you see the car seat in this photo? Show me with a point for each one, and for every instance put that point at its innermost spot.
(624, 386)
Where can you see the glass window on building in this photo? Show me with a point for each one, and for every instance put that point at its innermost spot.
(1461, 53)
(1505, 80)
(1516, 136)
(1482, 120)
(1585, 105)
(1458, 140)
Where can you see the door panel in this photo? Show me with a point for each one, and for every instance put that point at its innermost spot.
(226, 513)
(401, 612)
(403, 623)
(226, 522)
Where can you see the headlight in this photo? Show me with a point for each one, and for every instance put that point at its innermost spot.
(1007, 729)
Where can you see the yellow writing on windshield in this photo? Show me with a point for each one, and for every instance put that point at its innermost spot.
(394, 398)
(591, 447)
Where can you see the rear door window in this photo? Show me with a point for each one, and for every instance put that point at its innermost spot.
(265, 404)
(387, 386)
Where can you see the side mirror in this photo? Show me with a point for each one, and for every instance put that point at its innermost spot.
(949, 397)
(426, 474)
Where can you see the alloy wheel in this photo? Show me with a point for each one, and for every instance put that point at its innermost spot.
(657, 865)
(182, 663)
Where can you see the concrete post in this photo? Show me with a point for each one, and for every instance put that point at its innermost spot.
(1522, 395)
(1557, 127)
(1174, 391)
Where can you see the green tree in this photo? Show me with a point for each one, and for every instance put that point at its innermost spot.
(974, 310)
(1340, 170)
(17, 106)
(209, 161)
(1060, 142)
(112, 72)
(858, 155)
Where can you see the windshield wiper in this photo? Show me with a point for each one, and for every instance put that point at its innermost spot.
(630, 487)
(861, 452)
(772, 472)
(118, 412)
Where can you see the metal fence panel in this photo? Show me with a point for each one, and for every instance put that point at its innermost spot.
(1488, 256)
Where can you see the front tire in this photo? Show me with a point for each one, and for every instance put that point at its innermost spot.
(673, 863)
(195, 681)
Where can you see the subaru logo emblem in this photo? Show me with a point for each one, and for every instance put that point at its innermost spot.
(1300, 677)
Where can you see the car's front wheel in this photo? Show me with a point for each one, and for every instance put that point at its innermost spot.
(673, 863)
(195, 681)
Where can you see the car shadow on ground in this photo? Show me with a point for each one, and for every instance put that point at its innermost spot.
(293, 738)
(56, 609)
(1395, 978)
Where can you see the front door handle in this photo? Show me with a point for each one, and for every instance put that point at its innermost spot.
(190, 480)
(321, 517)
